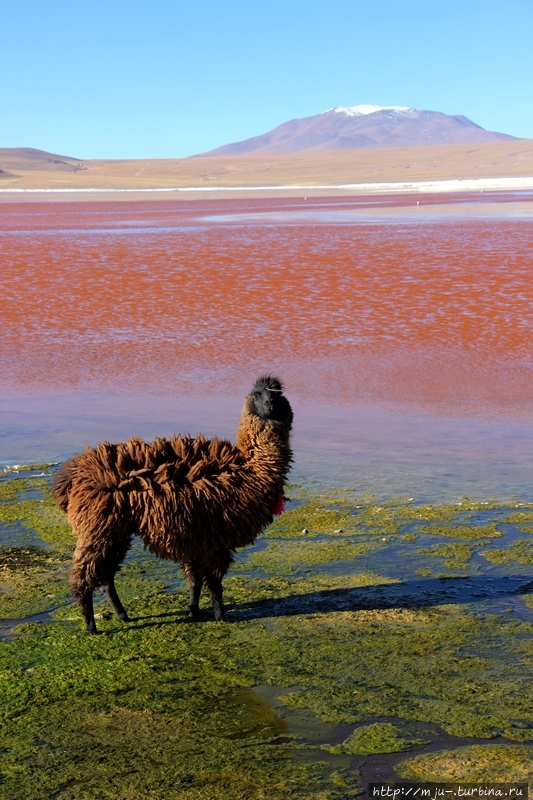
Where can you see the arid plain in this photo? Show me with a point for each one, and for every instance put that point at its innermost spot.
(22, 168)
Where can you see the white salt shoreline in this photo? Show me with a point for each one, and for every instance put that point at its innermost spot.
(458, 185)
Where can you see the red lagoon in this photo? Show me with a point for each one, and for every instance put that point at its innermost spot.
(403, 332)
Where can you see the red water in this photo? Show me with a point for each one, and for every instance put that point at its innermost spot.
(362, 306)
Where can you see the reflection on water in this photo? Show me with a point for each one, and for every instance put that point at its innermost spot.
(405, 347)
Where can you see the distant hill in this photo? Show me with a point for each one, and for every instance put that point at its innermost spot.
(15, 159)
(360, 127)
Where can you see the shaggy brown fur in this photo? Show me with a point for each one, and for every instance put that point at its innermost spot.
(194, 501)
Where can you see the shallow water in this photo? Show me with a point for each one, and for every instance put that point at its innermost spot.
(403, 336)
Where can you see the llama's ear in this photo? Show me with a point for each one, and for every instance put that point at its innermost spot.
(269, 383)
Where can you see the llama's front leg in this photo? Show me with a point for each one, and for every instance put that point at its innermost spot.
(194, 579)
(213, 582)
(114, 601)
(213, 579)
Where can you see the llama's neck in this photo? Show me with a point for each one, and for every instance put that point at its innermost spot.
(265, 443)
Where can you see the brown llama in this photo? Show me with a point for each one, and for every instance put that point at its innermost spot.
(194, 501)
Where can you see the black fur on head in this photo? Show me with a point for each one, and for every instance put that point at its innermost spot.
(268, 382)
(268, 400)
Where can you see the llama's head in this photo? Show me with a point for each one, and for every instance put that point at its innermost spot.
(268, 401)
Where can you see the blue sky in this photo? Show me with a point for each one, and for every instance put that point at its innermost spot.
(164, 79)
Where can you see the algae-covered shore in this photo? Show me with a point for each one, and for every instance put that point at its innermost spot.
(365, 641)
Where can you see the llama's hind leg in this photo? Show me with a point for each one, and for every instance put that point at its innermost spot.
(114, 601)
(82, 589)
(85, 600)
(83, 582)
(194, 578)
(93, 567)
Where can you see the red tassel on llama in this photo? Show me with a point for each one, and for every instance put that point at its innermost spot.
(279, 508)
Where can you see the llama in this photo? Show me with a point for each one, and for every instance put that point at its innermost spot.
(192, 500)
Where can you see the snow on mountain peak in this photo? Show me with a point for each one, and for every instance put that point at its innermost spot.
(361, 110)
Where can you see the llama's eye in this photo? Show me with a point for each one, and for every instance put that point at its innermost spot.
(257, 395)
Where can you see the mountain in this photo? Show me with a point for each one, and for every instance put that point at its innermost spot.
(363, 126)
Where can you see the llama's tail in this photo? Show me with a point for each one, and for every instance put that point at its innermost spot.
(63, 482)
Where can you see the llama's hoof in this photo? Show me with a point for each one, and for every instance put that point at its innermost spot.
(123, 617)
(91, 629)
(194, 612)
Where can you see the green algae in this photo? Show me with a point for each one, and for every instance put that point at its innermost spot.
(496, 763)
(148, 711)
(132, 754)
(40, 515)
(519, 518)
(528, 600)
(440, 665)
(456, 556)
(297, 556)
(426, 572)
(522, 520)
(381, 518)
(33, 577)
(315, 519)
(520, 552)
(159, 707)
(8, 490)
(31, 581)
(430, 513)
(381, 737)
(462, 531)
